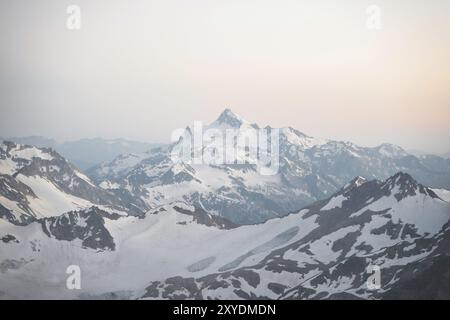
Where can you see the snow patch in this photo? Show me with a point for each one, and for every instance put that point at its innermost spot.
(335, 202)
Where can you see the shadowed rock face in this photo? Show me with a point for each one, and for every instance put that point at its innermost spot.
(85, 225)
(202, 217)
(407, 186)
(17, 192)
(9, 239)
(424, 285)
(8, 215)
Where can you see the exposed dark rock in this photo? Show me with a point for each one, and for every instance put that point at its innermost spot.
(9, 238)
(85, 225)
(202, 217)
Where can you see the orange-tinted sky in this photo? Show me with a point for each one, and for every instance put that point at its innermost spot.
(139, 69)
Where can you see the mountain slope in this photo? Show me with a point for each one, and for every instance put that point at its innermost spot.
(320, 252)
(309, 169)
(37, 183)
(398, 225)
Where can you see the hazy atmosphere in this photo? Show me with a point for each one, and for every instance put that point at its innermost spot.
(139, 71)
(131, 167)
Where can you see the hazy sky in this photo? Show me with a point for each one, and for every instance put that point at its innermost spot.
(139, 69)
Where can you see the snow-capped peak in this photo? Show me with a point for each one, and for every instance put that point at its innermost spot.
(402, 185)
(355, 183)
(391, 150)
(401, 179)
(228, 119)
(14, 157)
(295, 137)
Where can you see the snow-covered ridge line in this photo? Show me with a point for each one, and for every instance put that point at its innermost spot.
(309, 170)
(38, 182)
(168, 254)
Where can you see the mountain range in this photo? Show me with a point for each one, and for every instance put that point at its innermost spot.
(320, 252)
(310, 169)
(85, 153)
(38, 182)
(143, 227)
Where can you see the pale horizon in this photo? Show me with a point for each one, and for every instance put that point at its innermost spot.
(140, 71)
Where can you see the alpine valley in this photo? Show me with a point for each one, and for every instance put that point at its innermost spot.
(143, 227)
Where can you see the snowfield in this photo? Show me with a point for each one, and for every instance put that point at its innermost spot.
(286, 252)
(443, 194)
(156, 247)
